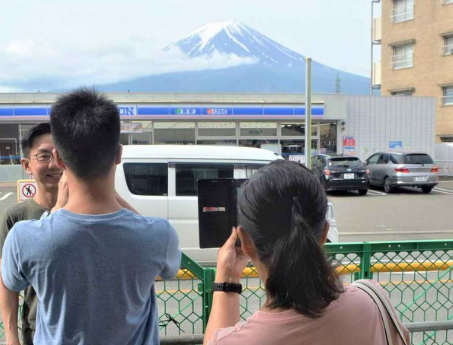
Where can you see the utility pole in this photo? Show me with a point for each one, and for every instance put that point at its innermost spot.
(308, 113)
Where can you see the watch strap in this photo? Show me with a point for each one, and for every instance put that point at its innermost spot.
(227, 287)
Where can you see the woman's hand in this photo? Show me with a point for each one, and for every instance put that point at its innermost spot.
(231, 260)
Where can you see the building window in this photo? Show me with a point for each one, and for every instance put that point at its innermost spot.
(403, 56)
(408, 92)
(447, 49)
(448, 2)
(403, 10)
(447, 98)
(446, 139)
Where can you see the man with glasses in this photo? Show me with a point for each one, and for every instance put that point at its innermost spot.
(37, 146)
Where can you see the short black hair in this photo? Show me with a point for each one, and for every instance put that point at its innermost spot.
(28, 140)
(86, 130)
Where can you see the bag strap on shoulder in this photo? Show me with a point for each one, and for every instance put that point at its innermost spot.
(384, 307)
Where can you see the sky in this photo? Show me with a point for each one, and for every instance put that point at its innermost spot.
(62, 43)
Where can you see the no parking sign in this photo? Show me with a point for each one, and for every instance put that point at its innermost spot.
(26, 189)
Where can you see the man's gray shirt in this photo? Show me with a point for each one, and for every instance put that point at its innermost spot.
(93, 274)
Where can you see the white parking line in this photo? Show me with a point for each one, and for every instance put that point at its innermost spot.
(375, 192)
(4, 197)
(443, 190)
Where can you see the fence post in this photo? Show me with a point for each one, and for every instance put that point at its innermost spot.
(208, 279)
(365, 263)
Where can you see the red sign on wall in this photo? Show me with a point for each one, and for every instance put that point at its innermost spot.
(348, 141)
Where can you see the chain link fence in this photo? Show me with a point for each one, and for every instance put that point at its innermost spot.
(416, 275)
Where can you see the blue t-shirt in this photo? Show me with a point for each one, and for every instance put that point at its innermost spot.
(93, 274)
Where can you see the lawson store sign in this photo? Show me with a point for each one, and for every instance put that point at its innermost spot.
(172, 111)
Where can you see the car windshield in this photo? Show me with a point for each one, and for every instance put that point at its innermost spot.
(418, 159)
(346, 162)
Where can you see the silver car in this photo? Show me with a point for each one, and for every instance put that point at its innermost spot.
(393, 169)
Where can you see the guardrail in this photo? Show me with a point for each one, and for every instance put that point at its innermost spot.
(417, 275)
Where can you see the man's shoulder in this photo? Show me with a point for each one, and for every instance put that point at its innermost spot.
(154, 222)
(23, 211)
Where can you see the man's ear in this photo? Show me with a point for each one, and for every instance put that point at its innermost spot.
(25, 162)
(119, 154)
(58, 160)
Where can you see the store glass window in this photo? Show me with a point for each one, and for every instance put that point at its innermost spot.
(147, 178)
(297, 129)
(144, 138)
(271, 145)
(296, 147)
(174, 133)
(217, 142)
(188, 174)
(328, 137)
(216, 129)
(9, 144)
(258, 129)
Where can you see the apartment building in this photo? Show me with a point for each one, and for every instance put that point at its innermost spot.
(416, 38)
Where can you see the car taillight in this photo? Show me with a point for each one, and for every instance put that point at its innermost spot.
(402, 170)
(435, 170)
(327, 172)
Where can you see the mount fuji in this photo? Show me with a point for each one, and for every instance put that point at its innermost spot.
(237, 58)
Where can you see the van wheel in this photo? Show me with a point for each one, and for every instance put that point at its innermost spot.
(387, 186)
(363, 191)
(427, 189)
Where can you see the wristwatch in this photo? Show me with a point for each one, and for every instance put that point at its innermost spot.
(227, 287)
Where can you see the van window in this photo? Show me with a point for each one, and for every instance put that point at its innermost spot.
(147, 178)
(188, 174)
(251, 169)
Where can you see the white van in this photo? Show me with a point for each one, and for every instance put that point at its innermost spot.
(161, 181)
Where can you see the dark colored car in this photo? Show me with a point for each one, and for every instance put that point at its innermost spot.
(338, 172)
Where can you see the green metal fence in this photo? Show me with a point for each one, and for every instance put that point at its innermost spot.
(417, 275)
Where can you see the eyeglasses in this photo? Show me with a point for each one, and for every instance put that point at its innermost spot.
(43, 157)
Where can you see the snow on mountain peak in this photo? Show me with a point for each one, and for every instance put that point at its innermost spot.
(232, 37)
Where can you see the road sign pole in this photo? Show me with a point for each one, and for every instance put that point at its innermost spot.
(308, 113)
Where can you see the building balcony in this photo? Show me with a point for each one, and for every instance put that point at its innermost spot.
(377, 73)
(377, 29)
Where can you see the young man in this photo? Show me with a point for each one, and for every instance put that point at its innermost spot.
(37, 147)
(93, 263)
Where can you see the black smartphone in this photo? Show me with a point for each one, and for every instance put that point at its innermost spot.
(217, 210)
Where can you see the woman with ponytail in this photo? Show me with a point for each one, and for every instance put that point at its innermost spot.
(282, 213)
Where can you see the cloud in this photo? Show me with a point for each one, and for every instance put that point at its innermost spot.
(34, 64)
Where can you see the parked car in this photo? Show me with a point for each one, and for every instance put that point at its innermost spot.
(162, 180)
(341, 172)
(396, 169)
